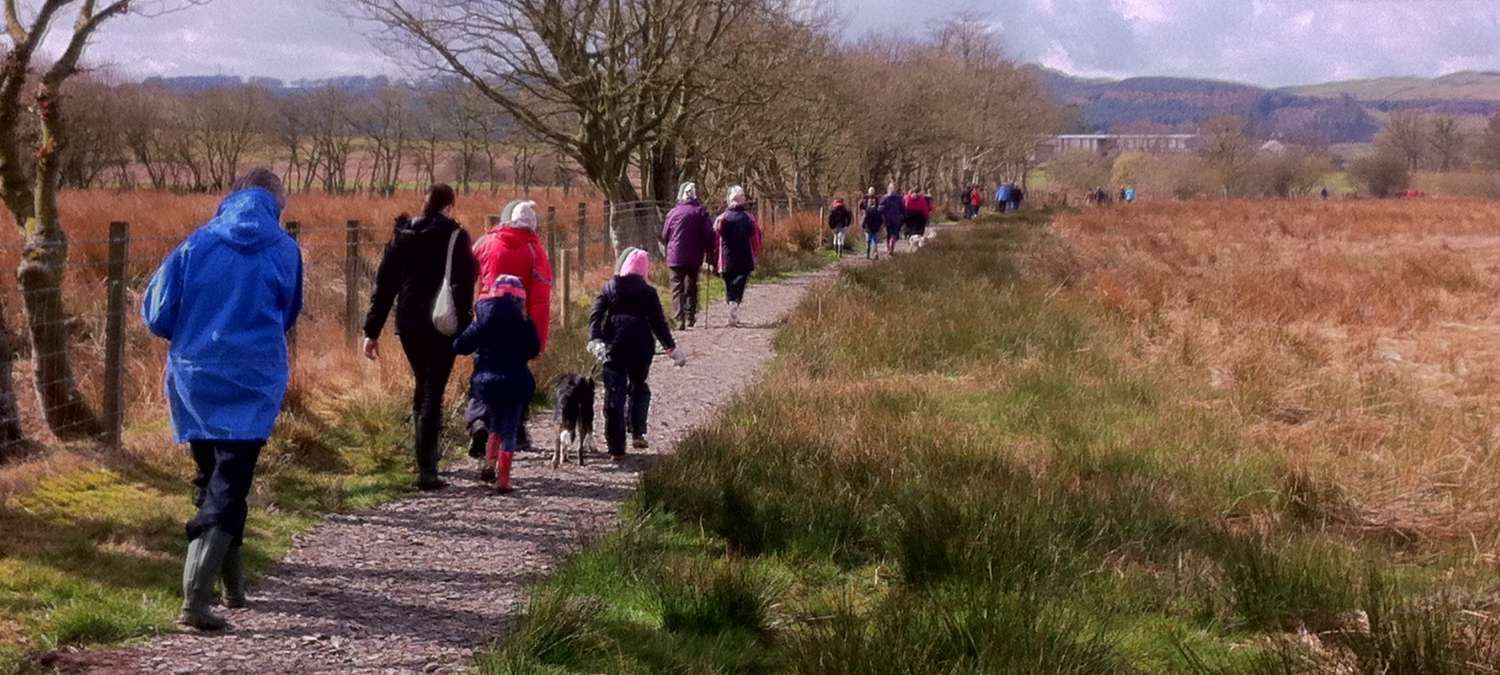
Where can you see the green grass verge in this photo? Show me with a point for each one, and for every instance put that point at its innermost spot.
(950, 469)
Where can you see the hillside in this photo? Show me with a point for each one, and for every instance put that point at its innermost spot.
(1184, 102)
(1336, 112)
(1466, 85)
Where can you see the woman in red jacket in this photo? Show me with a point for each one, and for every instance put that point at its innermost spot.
(513, 248)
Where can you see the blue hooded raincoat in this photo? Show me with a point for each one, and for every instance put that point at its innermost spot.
(226, 298)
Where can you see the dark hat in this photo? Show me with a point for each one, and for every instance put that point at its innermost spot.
(439, 197)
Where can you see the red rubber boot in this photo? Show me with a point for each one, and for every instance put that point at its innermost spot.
(491, 456)
(502, 477)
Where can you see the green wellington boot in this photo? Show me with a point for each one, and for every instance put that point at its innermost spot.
(205, 560)
(232, 578)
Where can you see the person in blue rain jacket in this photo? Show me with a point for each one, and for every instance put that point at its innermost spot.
(226, 298)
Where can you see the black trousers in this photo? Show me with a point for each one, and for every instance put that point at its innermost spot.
(431, 357)
(627, 398)
(225, 471)
(734, 286)
(685, 294)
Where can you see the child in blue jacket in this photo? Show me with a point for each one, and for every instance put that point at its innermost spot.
(503, 341)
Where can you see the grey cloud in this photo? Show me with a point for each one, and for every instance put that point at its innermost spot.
(1272, 42)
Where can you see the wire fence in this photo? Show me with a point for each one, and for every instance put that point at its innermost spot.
(117, 364)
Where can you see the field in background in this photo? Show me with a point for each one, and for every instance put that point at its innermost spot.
(92, 544)
(1212, 438)
(1356, 341)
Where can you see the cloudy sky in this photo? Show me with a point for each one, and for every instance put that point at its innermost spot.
(1266, 42)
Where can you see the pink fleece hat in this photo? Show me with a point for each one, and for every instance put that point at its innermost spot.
(505, 285)
(637, 263)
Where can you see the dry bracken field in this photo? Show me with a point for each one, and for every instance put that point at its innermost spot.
(1358, 342)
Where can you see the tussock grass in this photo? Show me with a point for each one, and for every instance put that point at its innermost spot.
(956, 465)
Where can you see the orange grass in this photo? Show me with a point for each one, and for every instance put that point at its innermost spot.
(1359, 341)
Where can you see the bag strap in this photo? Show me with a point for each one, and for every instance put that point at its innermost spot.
(448, 268)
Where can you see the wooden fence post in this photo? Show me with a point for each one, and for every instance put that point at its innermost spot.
(352, 266)
(567, 289)
(114, 334)
(552, 233)
(294, 230)
(583, 238)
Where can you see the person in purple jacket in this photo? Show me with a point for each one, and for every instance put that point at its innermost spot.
(688, 234)
(893, 207)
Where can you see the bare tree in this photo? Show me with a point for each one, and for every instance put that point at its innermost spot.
(1228, 151)
(593, 79)
(386, 124)
(1489, 149)
(227, 124)
(1405, 134)
(29, 178)
(1448, 141)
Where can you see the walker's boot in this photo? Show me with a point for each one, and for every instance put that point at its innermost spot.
(681, 324)
(734, 314)
(232, 578)
(477, 439)
(502, 471)
(205, 559)
(491, 456)
(638, 441)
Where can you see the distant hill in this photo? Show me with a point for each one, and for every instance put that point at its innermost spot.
(1468, 85)
(1339, 112)
(1182, 103)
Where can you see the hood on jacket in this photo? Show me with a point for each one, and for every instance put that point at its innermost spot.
(249, 220)
(522, 216)
(686, 191)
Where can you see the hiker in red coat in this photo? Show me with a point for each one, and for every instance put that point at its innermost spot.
(513, 247)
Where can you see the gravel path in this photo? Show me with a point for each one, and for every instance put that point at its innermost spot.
(417, 585)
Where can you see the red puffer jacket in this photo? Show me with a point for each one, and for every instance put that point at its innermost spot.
(519, 252)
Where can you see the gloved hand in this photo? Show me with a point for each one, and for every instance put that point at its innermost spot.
(679, 356)
(597, 348)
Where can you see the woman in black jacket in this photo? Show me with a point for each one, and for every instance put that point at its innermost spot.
(410, 275)
(624, 326)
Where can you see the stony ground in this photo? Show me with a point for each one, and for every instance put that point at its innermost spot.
(417, 585)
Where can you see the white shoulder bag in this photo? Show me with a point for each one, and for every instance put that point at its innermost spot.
(444, 314)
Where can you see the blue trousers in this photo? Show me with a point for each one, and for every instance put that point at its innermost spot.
(505, 419)
(627, 397)
(225, 471)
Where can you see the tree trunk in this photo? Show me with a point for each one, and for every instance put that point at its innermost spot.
(40, 277)
(12, 437)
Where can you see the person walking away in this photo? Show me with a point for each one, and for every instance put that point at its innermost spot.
(869, 201)
(410, 275)
(976, 200)
(873, 221)
(225, 299)
(1016, 195)
(736, 248)
(1129, 195)
(893, 206)
(503, 341)
(625, 324)
(918, 206)
(512, 247)
(839, 220)
(688, 232)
